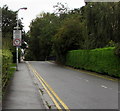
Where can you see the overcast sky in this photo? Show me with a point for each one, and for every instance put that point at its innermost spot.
(35, 7)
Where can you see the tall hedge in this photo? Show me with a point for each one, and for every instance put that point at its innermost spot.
(6, 61)
(102, 60)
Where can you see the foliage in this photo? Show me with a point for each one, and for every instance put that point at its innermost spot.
(13, 51)
(100, 60)
(95, 25)
(61, 10)
(6, 62)
(42, 30)
(102, 21)
(111, 44)
(8, 22)
(68, 37)
(117, 50)
(29, 55)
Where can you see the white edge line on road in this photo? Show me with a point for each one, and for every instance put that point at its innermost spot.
(86, 80)
(103, 86)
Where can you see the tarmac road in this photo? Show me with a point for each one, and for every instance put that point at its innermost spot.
(79, 90)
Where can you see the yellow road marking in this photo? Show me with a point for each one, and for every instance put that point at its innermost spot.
(93, 74)
(64, 105)
(57, 105)
(44, 83)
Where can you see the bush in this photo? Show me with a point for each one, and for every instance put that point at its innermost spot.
(100, 60)
(117, 50)
(29, 55)
(6, 62)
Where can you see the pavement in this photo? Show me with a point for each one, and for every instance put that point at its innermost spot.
(22, 92)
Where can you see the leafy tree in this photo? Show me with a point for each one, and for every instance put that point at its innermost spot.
(42, 30)
(68, 37)
(61, 8)
(102, 23)
(8, 23)
(94, 25)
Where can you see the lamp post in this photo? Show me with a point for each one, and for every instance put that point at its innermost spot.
(17, 28)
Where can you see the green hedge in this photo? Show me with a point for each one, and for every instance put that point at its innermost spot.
(102, 60)
(6, 62)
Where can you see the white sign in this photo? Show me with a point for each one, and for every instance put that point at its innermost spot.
(17, 37)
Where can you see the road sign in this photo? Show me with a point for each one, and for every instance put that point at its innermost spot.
(17, 42)
(16, 37)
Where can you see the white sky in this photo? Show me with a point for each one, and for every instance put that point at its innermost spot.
(35, 7)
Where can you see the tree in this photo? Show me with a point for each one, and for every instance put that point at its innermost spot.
(42, 30)
(8, 23)
(61, 9)
(102, 23)
(68, 37)
(91, 26)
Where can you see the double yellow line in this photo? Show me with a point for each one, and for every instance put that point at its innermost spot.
(49, 90)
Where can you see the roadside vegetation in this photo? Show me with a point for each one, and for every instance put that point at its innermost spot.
(8, 23)
(8, 52)
(8, 68)
(102, 60)
(86, 30)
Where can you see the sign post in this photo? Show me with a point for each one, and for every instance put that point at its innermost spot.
(17, 37)
(17, 42)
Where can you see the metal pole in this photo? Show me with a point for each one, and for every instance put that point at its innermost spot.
(16, 58)
(18, 29)
(17, 47)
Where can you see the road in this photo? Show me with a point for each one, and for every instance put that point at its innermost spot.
(77, 89)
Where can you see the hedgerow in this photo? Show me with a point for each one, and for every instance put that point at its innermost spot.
(6, 62)
(102, 60)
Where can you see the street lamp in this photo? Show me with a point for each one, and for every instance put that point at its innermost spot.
(24, 8)
(17, 28)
